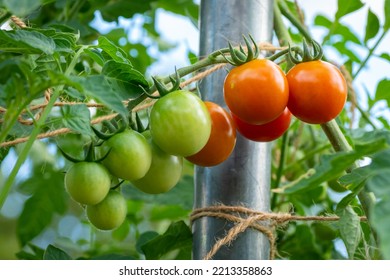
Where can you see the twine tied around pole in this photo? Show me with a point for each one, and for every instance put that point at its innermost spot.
(244, 218)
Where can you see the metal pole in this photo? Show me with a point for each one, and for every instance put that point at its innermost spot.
(244, 179)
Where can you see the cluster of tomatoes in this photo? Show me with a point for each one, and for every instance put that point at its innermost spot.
(262, 98)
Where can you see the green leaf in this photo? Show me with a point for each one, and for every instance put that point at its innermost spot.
(181, 7)
(26, 41)
(380, 219)
(126, 80)
(48, 199)
(145, 238)
(379, 183)
(54, 253)
(77, 118)
(301, 245)
(332, 165)
(386, 26)
(382, 91)
(350, 230)
(112, 10)
(385, 56)
(99, 88)
(177, 236)
(21, 8)
(372, 26)
(345, 50)
(345, 7)
(112, 51)
(31, 252)
(321, 20)
(337, 28)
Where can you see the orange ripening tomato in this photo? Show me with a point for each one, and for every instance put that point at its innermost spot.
(222, 139)
(318, 91)
(264, 132)
(257, 91)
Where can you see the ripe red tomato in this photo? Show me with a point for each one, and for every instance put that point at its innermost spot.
(257, 91)
(264, 132)
(318, 91)
(222, 139)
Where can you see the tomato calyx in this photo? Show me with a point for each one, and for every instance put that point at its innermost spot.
(89, 155)
(113, 129)
(162, 88)
(240, 56)
(308, 53)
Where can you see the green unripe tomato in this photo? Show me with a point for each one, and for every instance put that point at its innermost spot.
(180, 123)
(109, 213)
(164, 172)
(130, 155)
(87, 182)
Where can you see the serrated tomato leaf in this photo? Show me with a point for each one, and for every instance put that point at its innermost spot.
(99, 88)
(21, 7)
(54, 253)
(126, 80)
(177, 236)
(48, 199)
(77, 118)
(26, 41)
(372, 26)
(112, 51)
(380, 218)
(332, 165)
(345, 7)
(350, 230)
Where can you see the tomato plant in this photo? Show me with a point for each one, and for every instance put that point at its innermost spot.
(180, 123)
(222, 139)
(109, 213)
(87, 182)
(257, 91)
(264, 132)
(318, 91)
(164, 172)
(129, 155)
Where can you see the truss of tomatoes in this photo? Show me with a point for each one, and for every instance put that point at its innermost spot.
(262, 99)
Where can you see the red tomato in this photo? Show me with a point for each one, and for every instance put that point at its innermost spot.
(318, 91)
(264, 132)
(222, 139)
(257, 91)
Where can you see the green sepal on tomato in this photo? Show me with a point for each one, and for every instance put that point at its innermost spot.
(129, 155)
(222, 139)
(110, 213)
(257, 91)
(87, 182)
(164, 172)
(264, 132)
(318, 91)
(180, 123)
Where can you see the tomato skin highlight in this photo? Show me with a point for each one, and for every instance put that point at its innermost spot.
(130, 155)
(180, 123)
(318, 91)
(222, 139)
(264, 132)
(164, 172)
(87, 182)
(110, 213)
(257, 91)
